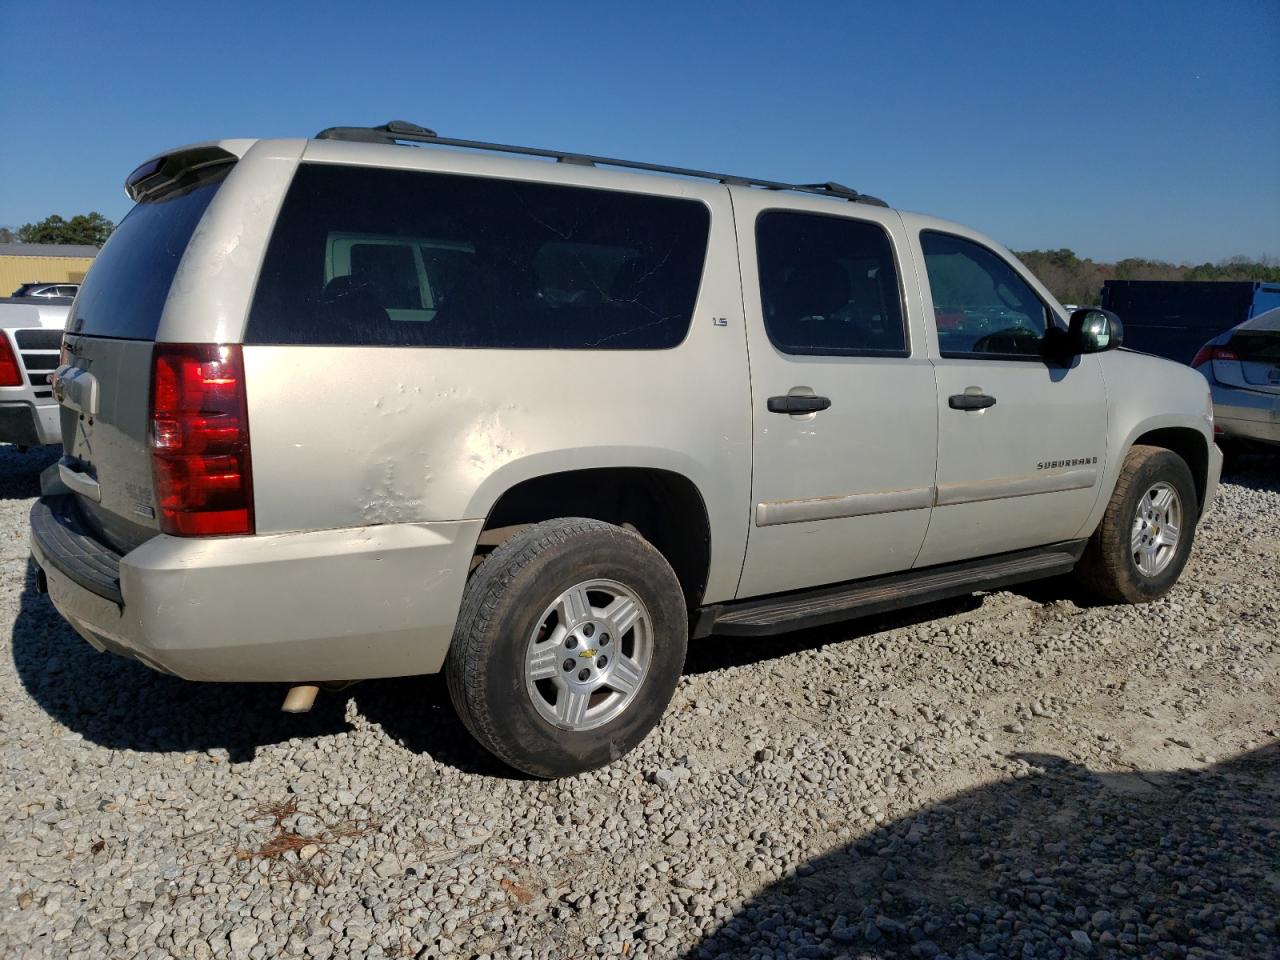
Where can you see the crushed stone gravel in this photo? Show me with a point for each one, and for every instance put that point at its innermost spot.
(1020, 774)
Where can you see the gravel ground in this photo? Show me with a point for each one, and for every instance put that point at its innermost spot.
(1022, 774)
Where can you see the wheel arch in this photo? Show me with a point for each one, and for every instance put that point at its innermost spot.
(664, 506)
(1188, 443)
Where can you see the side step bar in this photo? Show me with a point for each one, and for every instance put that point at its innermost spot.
(843, 601)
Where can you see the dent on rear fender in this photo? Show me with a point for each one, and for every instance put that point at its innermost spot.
(397, 480)
(489, 444)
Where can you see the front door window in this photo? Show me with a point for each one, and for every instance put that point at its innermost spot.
(982, 307)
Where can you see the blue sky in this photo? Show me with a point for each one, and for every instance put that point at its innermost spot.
(1116, 129)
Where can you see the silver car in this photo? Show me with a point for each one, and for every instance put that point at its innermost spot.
(340, 408)
(1243, 370)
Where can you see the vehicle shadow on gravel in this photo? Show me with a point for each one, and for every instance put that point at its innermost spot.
(416, 712)
(20, 471)
(1062, 862)
(121, 704)
(709, 654)
(1257, 471)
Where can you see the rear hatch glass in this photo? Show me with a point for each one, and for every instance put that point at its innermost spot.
(123, 295)
(109, 338)
(1259, 353)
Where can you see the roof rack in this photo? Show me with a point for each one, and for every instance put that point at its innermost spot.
(401, 131)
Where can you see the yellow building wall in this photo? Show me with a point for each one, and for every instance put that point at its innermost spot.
(15, 271)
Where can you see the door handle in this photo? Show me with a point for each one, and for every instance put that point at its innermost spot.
(970, 401)
(798, 403)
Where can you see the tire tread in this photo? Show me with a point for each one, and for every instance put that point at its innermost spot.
(1102, 568)
(476, 628)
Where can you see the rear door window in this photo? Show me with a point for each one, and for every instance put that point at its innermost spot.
(124, 293)
(828, 286)
(389, 257)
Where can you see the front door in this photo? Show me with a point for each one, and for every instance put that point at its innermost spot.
(844, 413)
(1021, 439)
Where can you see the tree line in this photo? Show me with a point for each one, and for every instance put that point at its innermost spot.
(1075, 280)
(86, 228)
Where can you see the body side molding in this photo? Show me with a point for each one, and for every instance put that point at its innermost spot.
(975, 491)
(837, 507)
(845, 505)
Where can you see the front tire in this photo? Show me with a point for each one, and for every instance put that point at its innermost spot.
(1138, 551)
(568, 646)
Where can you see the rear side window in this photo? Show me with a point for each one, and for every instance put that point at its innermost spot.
(125, 290)
(828, 286)
(389, 257)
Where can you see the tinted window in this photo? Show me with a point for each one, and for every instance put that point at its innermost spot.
(370, 256)
(124, 292)
(828, 286)
(981, 305)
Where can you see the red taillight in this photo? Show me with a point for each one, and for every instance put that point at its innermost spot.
(10, 372)
(200, 440)
(1209, 352)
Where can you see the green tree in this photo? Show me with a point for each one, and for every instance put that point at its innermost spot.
(7, 235)
(92, 228)
(1073, 280)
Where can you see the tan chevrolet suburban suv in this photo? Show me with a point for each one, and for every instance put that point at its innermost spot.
(371, 405)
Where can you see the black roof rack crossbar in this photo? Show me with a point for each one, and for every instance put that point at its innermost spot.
(398, 131)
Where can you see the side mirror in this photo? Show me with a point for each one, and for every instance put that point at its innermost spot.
(1093, 330)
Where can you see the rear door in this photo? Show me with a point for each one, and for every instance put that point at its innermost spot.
(843, 400)
(104, 388)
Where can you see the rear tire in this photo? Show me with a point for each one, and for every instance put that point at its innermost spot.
(1144, 539)
(568, 646)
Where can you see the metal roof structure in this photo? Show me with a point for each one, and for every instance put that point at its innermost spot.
(48, 250)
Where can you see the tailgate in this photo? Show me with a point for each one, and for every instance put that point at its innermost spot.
(104, 391)
(104, 383)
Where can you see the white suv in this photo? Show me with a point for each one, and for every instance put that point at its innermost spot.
(345, 408)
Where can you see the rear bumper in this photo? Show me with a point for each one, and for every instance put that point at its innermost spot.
(1246, 414)
(29, 424)
(345, 604)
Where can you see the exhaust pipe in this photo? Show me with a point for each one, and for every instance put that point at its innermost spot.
(300, 698)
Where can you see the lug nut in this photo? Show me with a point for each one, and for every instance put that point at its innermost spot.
(568, 665)
(571, 643)
(604, 639)
(583, 674)
(589, 629)
(602, 662)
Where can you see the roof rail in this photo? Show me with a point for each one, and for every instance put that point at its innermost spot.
(401, 131)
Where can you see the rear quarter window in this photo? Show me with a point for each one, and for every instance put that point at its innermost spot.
(366, 256)
(124, 292)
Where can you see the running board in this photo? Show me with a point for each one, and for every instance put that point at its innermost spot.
(844, 601)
